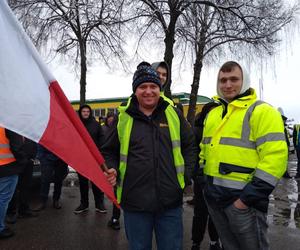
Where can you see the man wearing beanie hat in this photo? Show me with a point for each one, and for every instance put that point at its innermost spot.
(244, 154)
(152, 147)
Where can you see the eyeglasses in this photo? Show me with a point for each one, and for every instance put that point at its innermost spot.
(231, 79)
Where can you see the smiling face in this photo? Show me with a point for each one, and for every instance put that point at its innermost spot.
(230, 83)
(147, 94)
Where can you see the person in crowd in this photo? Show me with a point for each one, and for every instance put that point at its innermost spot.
(12, 161)
(53, 169)
(101, 121)
(152, 147)
(96, 133)
(201, 217)
(163, 71)
(296, 142)
(244, 154)
(110, 117)
(19, 204)
(287, 138)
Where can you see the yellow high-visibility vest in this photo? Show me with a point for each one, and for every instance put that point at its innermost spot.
(124, 127)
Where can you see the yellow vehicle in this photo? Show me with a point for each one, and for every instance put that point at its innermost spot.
(101, 107)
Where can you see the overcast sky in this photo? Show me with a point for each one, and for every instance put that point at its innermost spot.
(281, 79)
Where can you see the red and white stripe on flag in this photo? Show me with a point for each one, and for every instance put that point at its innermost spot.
(33, 104)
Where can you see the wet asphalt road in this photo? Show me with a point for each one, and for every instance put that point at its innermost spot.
(62, 229)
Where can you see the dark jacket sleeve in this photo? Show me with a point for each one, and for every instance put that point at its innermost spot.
(16, 145)
(188, 148)
(100, 137)
(255, 192)
(198, 136)
(295, 136)
(111, 147)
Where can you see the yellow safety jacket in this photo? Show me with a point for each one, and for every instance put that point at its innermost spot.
(6, 156)
(167, 99)
(124, 127)
(248, 141)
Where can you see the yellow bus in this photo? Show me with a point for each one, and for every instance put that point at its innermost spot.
(102, 106)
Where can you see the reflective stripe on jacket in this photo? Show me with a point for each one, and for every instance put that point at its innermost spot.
(248, 141)
(124, 127)
(6, 156)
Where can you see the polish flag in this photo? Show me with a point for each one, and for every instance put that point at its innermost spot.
(33, 105)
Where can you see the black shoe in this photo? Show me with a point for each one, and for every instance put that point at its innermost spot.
(80, 209)
(215, 246)
(39, 207)
(27, 214)
(56, 204)
(101, 208)
(114, 224)
(195, 246)
(6, 233)
(11, 218)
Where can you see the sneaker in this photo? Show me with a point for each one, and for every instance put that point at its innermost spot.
(195, 246)
(6, 233)
(11, 218)
(101, 208)
(114, 224)
(80, 209)
(215, 246)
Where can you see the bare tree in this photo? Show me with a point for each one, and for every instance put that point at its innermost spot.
(256, 21)
(244, 29)
(79, 29)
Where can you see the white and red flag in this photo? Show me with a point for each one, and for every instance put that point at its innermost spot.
(33, 105)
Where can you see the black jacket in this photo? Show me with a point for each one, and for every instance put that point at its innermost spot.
(93, 127)
(150, 182)
(16, 147)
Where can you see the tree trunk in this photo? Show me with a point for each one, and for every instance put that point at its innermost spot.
(83, 70)
(169, 55)
(197, 69)
(195, 86)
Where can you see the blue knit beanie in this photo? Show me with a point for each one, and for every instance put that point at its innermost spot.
(144, 73)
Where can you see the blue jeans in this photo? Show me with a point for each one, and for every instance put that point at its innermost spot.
(167, 226)
(240, 229)
(7, 188)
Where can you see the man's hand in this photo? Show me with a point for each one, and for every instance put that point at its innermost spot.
(111, 175)
(239, 204)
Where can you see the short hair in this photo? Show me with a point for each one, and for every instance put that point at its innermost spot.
(163, 65)
(228, 66)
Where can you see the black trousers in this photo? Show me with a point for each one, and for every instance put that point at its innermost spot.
(20, 199)
(201, 217)
(52, 171)
(84, 191)
(116, 212)
(298, 157)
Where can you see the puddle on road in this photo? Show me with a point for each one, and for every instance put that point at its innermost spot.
(284, 206)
